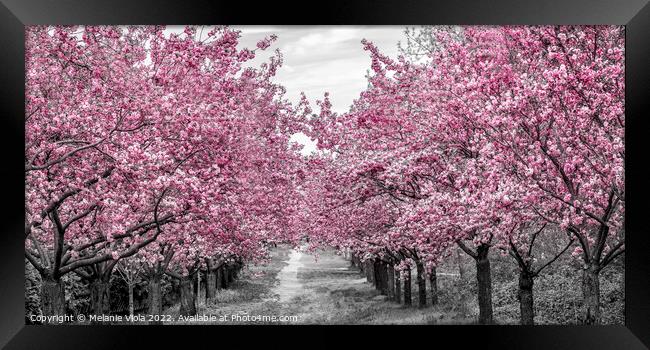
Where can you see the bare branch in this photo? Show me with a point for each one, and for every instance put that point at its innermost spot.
(535, 273)
(466, 249)
(80, 216)
(617, 250)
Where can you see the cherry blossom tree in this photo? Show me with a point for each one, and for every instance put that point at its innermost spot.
(498, 133)
(550, 101)
(130, 270)
(166, 149)
(129, 130)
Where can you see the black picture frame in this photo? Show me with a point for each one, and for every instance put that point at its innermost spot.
(634, 14)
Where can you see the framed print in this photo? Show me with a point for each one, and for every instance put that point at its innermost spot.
(456, 171)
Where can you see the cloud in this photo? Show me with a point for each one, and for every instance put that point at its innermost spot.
(319, 59)
(288, 68)
(321, 40)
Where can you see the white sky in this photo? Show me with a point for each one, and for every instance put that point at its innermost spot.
(319, 59)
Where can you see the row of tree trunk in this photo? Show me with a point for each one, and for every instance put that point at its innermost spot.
(387, 280)
(221, 277)
(98, 276)
(216, 278)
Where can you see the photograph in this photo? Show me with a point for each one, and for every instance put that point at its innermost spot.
(324, 174)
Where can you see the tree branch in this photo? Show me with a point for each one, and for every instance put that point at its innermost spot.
(80, 216)
(32, 260)
(466, 249)
(535, 273)
(617, 250)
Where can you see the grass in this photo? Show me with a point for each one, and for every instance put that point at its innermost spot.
(355, 301)
(250, 294)
(335, 293)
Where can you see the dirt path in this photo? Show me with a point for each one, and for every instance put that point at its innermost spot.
(289, 286)
(314, 289)
(326, 289)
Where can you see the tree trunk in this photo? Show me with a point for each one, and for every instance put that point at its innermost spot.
(376, 267)
(155, 295)
(197, 291)
(188, 302)
(52, 297)
(219, 277)
(131, 309)
(224, 276)
(459, 261)
(384, 278)
(238, 269)
(484, 285)
(407, 287)
(525, 295)
(99, 297)
(210, 284)
(590, 295)
(422, 289)
(398, 287)
(370, 273)
(433, 285)
(230, 275)
(390, 272)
